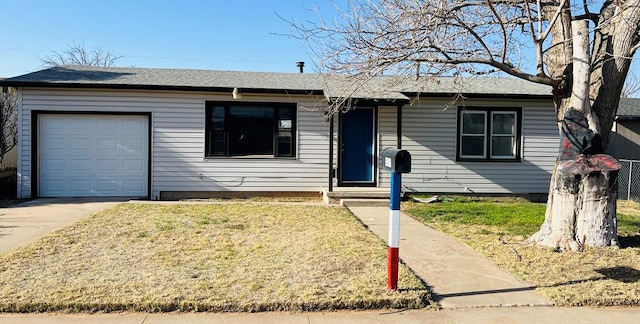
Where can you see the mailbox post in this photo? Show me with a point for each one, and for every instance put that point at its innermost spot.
(398, 162)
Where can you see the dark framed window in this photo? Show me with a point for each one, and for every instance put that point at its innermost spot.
(250, 129)
(489, 134)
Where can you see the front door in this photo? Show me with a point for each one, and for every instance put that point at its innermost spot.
(357, 142)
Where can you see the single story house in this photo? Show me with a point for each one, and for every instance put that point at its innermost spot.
(165, 133)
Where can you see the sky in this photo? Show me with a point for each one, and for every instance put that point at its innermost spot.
(238, 35)
(242, 35)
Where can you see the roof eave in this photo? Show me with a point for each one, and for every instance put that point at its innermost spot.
(628, 117)
(371, 101)
(23, 84)
(478, 95)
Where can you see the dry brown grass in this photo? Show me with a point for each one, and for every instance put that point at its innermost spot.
(206, 257)
(594, 277)
(629, 207)
(254, 199)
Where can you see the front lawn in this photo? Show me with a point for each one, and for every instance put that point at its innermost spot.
(594, 277)
(206, 257)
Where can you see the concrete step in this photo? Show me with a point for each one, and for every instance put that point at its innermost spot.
(359, 194)
(364, 193)
(372, 202)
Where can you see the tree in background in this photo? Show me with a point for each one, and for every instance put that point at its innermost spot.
(8, 122)
(78, 54)
(581, 49)
(631, 86)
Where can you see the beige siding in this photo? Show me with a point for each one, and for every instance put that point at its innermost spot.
(177, 138)
(429, 134)
(625, 141)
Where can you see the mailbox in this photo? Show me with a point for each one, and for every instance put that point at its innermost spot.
(398, 161)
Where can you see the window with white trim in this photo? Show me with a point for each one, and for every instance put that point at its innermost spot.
(489, 134)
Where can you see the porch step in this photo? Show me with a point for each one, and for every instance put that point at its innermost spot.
(353, 193)
(375, 202)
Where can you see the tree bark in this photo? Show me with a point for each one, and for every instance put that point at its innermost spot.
(581, 212)
(581, 207)
(615, 43)
(596, 223)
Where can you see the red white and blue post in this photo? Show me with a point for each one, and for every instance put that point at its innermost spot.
(394, 231)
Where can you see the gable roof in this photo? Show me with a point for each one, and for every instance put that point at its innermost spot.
(332, 86)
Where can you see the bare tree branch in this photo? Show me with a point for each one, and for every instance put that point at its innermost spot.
(8, 121)
(390, 36)
(502, 27)
(78, 54)
(631, 86)
(457, 38)
(556, 16)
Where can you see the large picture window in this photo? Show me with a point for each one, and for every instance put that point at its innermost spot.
(251, 129)
(489, 134)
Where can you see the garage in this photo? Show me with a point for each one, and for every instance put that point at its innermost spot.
(88, 155)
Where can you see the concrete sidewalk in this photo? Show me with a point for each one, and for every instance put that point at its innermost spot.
(523, 315)
(458, 276)
(25, 222)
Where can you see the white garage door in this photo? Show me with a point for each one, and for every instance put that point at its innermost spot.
(93, 155)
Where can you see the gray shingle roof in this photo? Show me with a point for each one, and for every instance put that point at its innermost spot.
(629, 108)
(103, 76)
(383, 87)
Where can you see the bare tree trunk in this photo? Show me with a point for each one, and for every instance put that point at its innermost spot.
(596, 223)
(581, 211)
(581, 208)
(558, 229)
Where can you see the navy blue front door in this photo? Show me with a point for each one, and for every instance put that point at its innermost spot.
(357, 138)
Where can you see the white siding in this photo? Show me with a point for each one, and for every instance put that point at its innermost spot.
(388, 137)
(429, 134)
(178, 162)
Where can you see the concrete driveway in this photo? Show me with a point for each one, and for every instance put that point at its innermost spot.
(25, 222)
